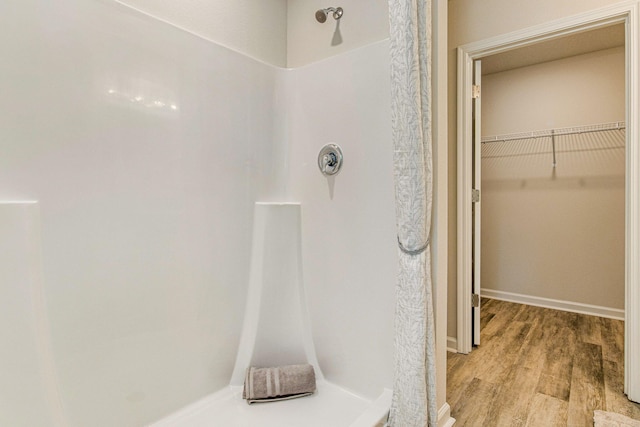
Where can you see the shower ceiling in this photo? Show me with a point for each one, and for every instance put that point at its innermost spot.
(577, 44)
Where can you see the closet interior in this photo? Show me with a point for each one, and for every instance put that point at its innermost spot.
(553, 200)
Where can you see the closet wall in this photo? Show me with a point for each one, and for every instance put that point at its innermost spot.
(555, 233)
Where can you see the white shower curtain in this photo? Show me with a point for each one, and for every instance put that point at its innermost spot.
(414, 391)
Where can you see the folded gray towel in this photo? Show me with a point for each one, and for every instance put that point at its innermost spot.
(278, 383)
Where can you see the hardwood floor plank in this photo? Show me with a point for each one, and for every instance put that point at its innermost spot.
(529, 313)
(587, 385)
(534, 348)
(555, 379)
(556, 386)
(547, 411)
(488, 305)
(515, 397)
(502, 317)
(589, 329)
(459, 377)
(485, 319)
(476, 400)
(454, 361)
(616, 401)
(612, 332)
(498, 356)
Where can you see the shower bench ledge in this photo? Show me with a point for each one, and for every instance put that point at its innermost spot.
(329, 406)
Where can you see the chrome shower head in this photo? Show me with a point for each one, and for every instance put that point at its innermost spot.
(321, 15)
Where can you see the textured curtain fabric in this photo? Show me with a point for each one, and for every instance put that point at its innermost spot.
(414, 391)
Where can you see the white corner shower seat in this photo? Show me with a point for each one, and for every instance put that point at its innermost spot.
(277, 331)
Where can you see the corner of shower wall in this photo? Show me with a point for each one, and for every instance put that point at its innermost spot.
(271, 166)
(30, 391)
(349, 238)
(276, 329)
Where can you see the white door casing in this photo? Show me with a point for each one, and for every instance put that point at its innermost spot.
(627, 12)
(477, 202)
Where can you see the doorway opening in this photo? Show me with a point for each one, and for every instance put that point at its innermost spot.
(551, 173)
(599, 21)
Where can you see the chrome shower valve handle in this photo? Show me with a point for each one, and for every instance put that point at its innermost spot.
(330, 159)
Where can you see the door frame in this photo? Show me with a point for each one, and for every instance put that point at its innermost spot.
(627, 12)
(476, 214)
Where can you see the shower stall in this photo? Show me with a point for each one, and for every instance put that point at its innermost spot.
(163, 220)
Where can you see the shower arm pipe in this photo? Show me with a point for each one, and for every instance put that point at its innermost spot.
(337, 11)
(321, 14)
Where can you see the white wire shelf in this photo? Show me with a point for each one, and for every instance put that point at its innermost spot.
(554, 132)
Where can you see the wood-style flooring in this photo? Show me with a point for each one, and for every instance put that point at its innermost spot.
(539, 367)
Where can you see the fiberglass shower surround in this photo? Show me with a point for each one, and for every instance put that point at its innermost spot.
(132, 234)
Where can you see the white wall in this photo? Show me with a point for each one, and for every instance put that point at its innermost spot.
(145, 210)
(28, 393)
(474, 20)
(555, 234)
(146, 148)
(348, 235)
(308, 41)
(255, 28)
(279, 32)
(580, 90)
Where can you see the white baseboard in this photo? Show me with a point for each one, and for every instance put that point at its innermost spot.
(574, 307)
(444, 416)
(452, 344)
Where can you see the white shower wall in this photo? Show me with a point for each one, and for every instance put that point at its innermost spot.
(256, 28)
(349, 244)
(146, 148)
(279, 32)
(363, 23)
(146, 208)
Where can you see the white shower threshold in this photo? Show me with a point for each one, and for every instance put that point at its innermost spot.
(330, 406)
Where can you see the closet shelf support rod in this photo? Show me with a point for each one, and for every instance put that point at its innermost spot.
(553, 147)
